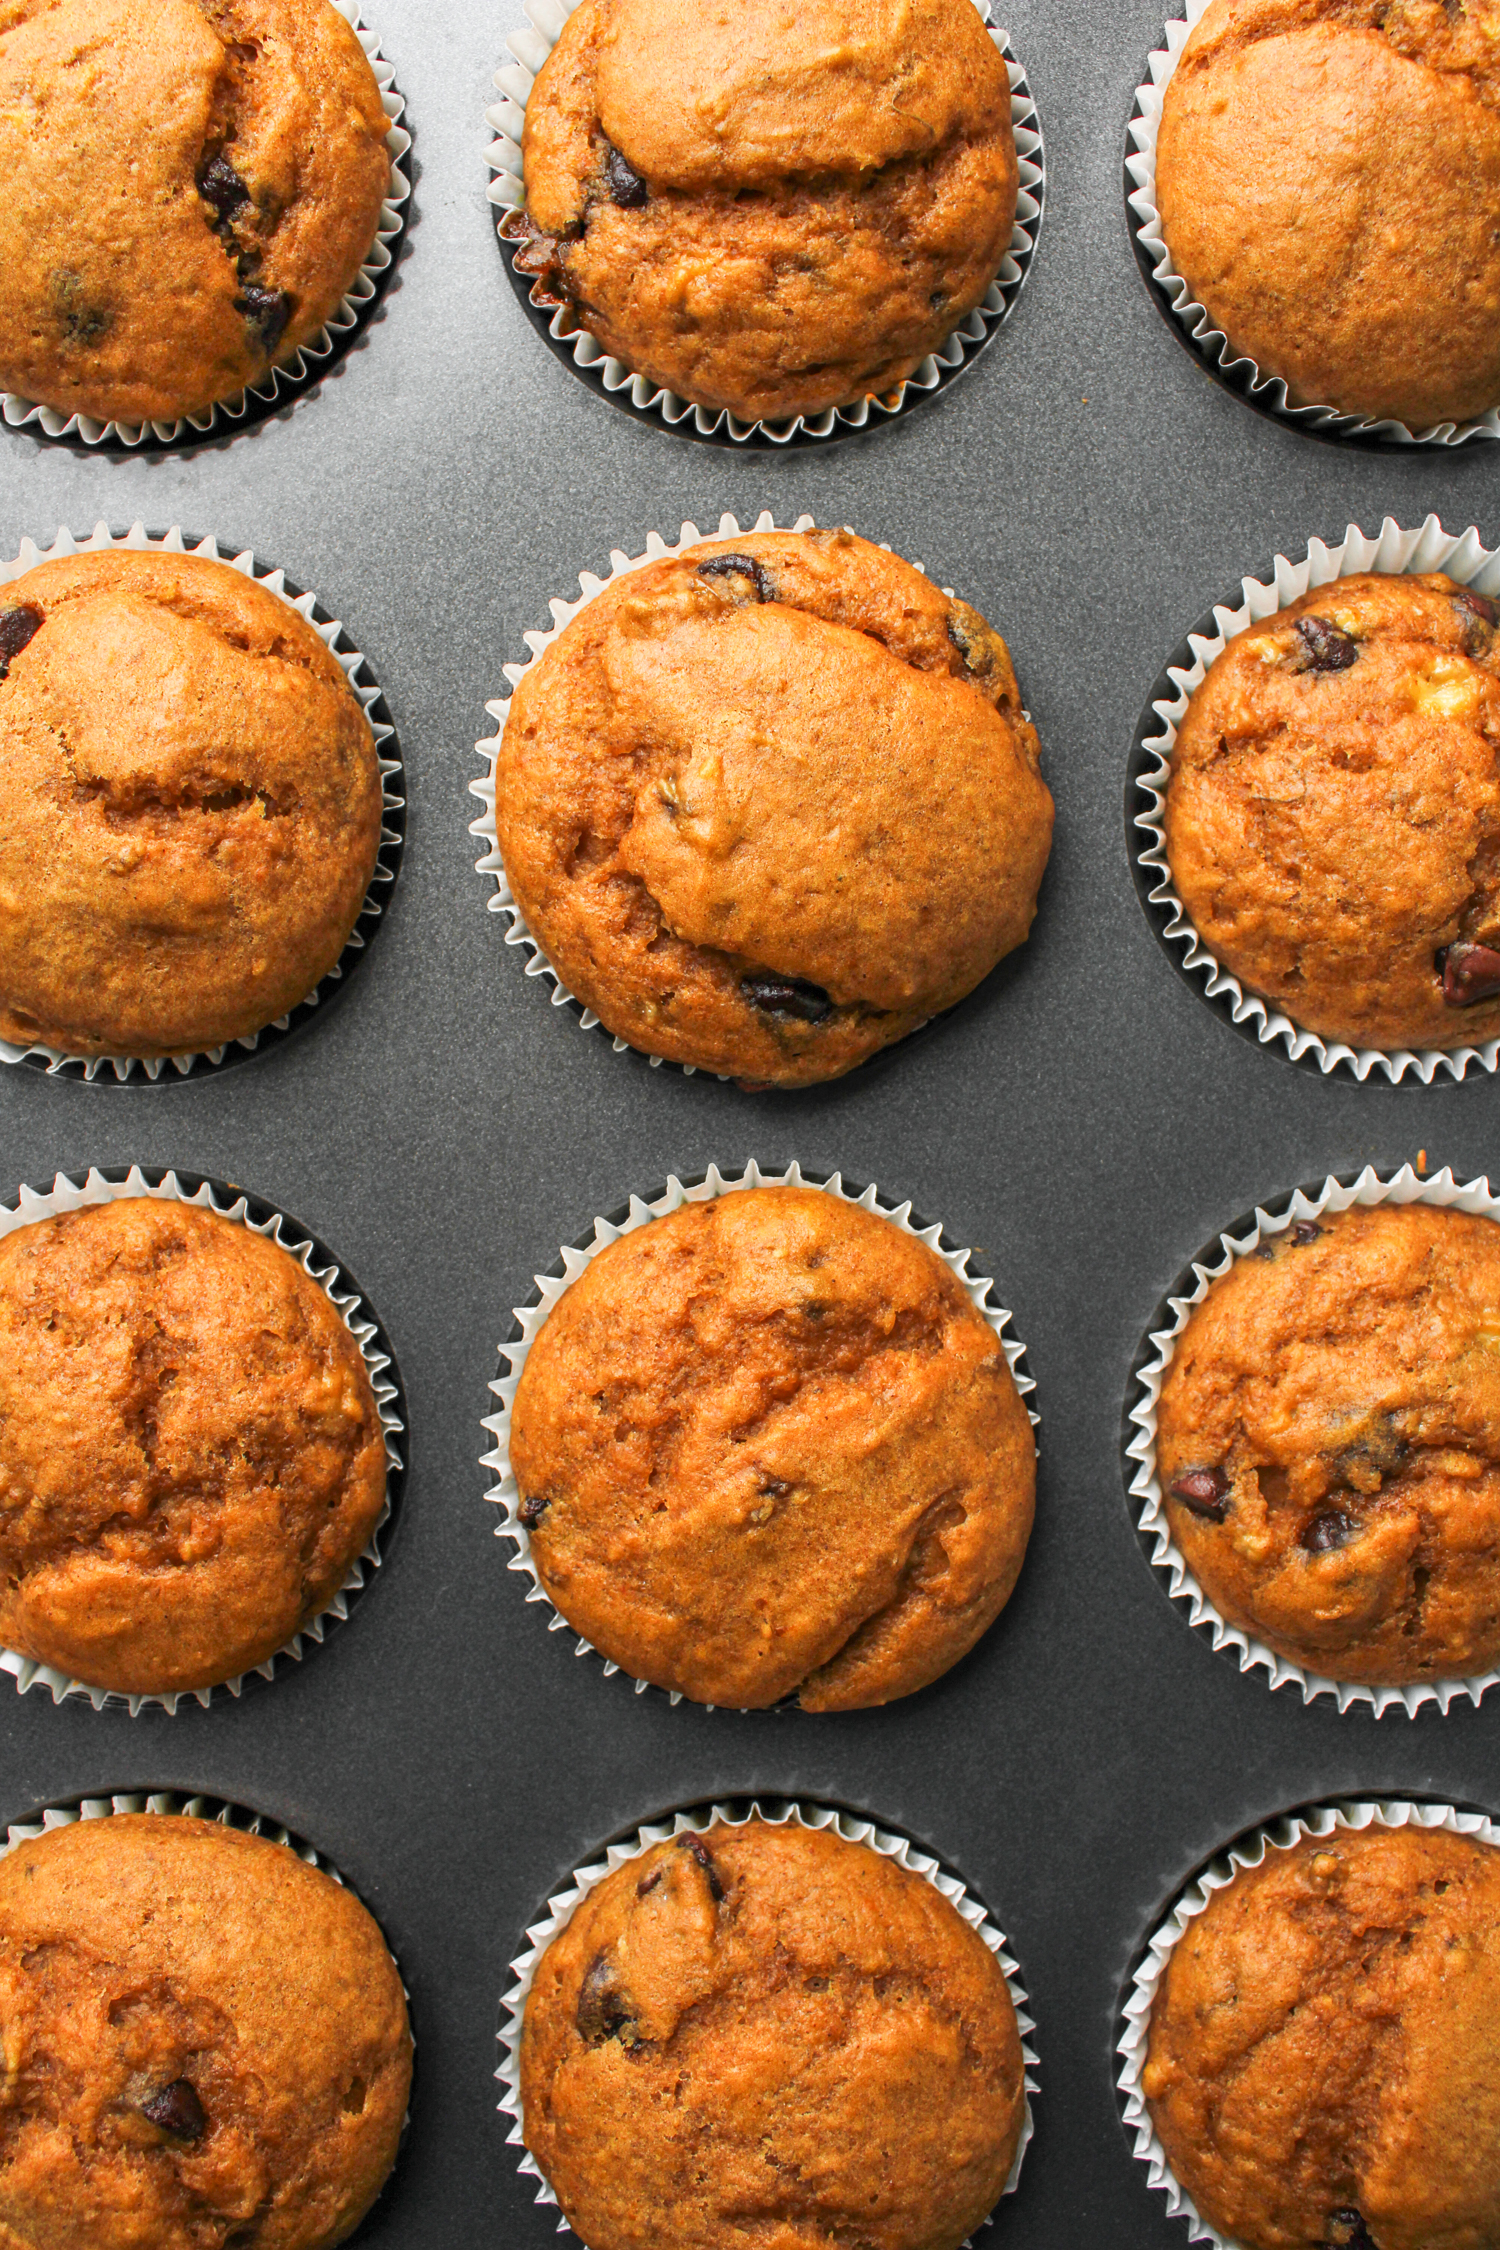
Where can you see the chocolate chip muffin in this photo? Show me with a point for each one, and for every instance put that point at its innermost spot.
(816, 2017)
(770, 804)
(1333, 815)
(189, 805)
(191, 188)
(1324, 2064)
(1328, 173)
(205, 2041)
(1328, 1441)
(770, 210)
(190, 1451)
(766, 1447)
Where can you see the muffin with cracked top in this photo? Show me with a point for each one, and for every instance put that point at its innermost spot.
(767, 1447)
(1333, 814)
(206, 2043)
(1328, 1442)
(1328, 173)
(770, 804)
(818, 2017)
(1323, 2066)
(190, 805)
(770, 210)
(191, 188)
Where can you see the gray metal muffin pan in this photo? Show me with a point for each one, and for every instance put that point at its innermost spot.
(1087, 1123)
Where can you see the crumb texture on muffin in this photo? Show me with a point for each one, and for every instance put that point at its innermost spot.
(767, 1447)
(1328, 173)
(1328, 1441)
(1323, 2068)
(191, 187)
(767, 209)
(206, 2043)
(1333, 815)
(191, 1455)
(190, 805)
(769, 805)
(816, 2017)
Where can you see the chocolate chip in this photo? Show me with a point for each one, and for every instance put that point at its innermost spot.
(1205, 1491)
(176, 2110)
(1469, 973)
(267, 311)
(221, 187)
(648, 1883)
(787, 996)
(700, 1852)
(1328, 649)
(626, 187)
(1478, 605)
(739, 566)
(1479, 617)
(1347, 2231)
(532, 1510)
(1329, 1530)
(17, 627)
(1304, 1232)
(604, 2011)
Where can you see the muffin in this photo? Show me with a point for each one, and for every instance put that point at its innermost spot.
(1333, 815)
(767, 1448)
(191, 188)
(191, 1455)
(774, 212)
(770, 804)
(1328, 1441)
(1324, 2060)
(205, 2043)
(768, 2032)
(1328, 173)
(190, 805)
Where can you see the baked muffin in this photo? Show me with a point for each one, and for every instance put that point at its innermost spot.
(816, 2017)
(191, 188)
(189, 805)
(1333, 815)
(769, 805)
(205, 2043)
(1328, 173)
(190, 1451)
(771, 210)
(1328, 1441)
(1324, 2062)
(766, 1447)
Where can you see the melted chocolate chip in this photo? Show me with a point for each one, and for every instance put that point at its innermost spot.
(1328, 1531)
(648, 1883)
(604, 2011)
(1469, 973)
(695, 1846)
(1205, 1491)
(1478, 605)
(17, 627)
(1304, 1232)
(739, 566)
(1328, 649)
(626, 187)
(80, 321)
(1347, 2231)
(533, 1509)
(787, 996)
(177, 2110)
(267, 311)
(221, 188)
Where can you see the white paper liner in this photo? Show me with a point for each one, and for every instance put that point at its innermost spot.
(505, 1493)
(1195, 319)
(367, 692)
(1397, 552)
(311, 357)
(1405, 1186)
(66, 1195)
(1249, 1852)
(562, 1908)
(532, 45)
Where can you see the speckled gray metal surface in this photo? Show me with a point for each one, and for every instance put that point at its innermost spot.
(1087, 1121)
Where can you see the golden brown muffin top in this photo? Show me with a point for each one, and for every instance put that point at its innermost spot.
(1333, 815)
(767, 1446)
(1323, 2067)
(770, 804)
(206, 2043)
(818, 2014)
(1328, 1440)
(189, 805)
(190, 1451)
(248, 138)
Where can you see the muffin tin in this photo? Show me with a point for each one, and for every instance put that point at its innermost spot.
(1085, 1121)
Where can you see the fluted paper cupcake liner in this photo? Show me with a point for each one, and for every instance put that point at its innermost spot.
(576, 1258)
(357, 1316)
(1248, 1852)
(1237, 368)
(123, 1069)
(703, 1822)
(1160, 1347)
(1399, 552)
(314, 358)
(650, 401)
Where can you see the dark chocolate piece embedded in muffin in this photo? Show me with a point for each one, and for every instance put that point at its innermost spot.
(769, 805)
